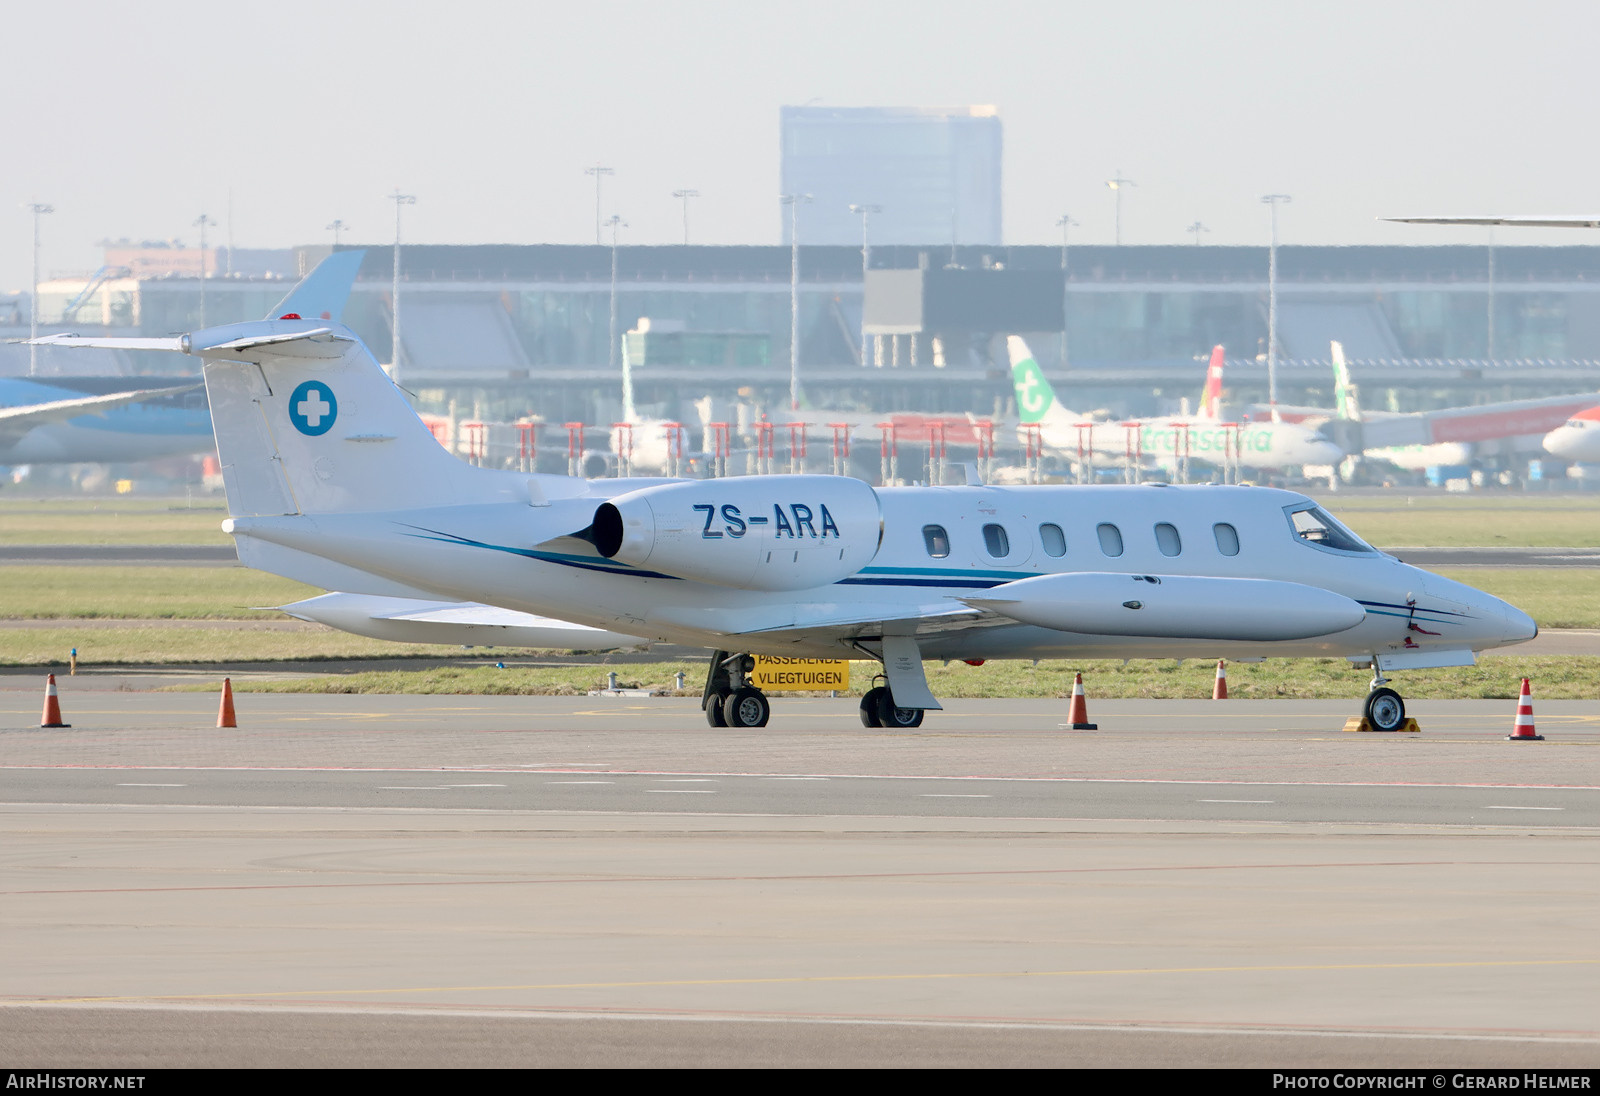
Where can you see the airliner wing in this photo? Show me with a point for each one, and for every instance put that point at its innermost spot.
(16, 421)
(1509, 222)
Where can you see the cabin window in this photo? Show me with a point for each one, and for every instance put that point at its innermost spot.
(1167, 539)
(937, 540)
(1227, 539)
(995, 539)
(1314, 525)
(1110, 539)
(1055, 542)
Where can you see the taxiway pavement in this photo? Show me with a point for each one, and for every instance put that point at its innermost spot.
(356, 880)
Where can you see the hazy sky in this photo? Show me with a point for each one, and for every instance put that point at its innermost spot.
(132, 119)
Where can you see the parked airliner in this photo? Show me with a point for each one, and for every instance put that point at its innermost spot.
(68, 420)
(1164, 440)
(332, 479)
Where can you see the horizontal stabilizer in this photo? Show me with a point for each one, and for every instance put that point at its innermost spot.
(174, 343)
(318, 343)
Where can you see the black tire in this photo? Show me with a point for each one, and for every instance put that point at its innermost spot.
(714, 709)
(746, 708)
(1385, 710)
(869, 706)
(899, 718)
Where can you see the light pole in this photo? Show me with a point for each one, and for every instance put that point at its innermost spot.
(599, 173)
(1064, 222)
(400, 201)
(794, 201)
(1491, 293)
(684, 196)
(201, 222)
(336, 228)
(39, 209)
(1195, 230)
(1117, 183)
(866, 212)
(1273, 200)
(617, 224)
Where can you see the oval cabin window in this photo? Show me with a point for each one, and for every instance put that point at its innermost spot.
(1110, 539)
(1054, 541)
(1167, 539)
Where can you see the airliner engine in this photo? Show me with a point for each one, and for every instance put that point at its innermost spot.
(750, 533)
(1179, 606)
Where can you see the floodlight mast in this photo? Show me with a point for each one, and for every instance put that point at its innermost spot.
(599, 173)
(1273, 200)
(866, 212)
(1117, 184)
(400, 200)
(684, 196)
(794, 201)
(201, 223)
(38, 209)
(1064, 222)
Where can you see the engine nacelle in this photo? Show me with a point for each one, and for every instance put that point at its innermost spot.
(749, 532)
(1175, 606)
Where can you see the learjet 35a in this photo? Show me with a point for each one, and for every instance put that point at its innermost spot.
(332, 479)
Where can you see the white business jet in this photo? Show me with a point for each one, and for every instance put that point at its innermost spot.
(332, 479)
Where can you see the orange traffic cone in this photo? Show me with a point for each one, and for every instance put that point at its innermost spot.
(1078, 713)
(52, 705)
(1219, 691)
(1523, 731)
(225, 713)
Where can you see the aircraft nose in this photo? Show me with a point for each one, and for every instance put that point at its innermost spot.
(1559, 441)
(1327, 453)
(1520, 627)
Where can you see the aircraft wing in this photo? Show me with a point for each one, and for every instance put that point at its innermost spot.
(409, 620)
(1509, 222)
(16, 421)
(829, 625)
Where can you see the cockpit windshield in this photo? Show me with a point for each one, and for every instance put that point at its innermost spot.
(1314, 525)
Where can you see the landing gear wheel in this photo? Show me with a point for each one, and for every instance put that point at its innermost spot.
(714, 709)
(1385, 710)
(746, 708)
(869, 706)
(891, 716)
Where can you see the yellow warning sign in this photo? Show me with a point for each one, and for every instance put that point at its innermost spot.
(777, 674)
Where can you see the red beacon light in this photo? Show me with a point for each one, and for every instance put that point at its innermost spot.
(290, 316)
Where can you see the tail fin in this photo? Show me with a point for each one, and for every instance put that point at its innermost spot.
(1036, 400)
(321, 294)
(1211, 396)
(1346, 397)
(307, 423)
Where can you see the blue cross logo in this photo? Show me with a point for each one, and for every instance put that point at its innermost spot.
(312, 408)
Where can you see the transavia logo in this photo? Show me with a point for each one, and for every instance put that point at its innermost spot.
(312, 408)
(1033, 394)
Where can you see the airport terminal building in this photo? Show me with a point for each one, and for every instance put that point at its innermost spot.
(504, 331)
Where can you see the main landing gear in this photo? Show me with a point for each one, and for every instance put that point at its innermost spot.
(729, 700)
(1384, 709)
(878, 709)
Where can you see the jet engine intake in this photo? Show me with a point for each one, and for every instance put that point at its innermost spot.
(749, 533)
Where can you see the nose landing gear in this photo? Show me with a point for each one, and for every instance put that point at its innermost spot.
(1385, 709)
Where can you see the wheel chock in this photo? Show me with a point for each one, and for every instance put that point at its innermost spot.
(1358, 723)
